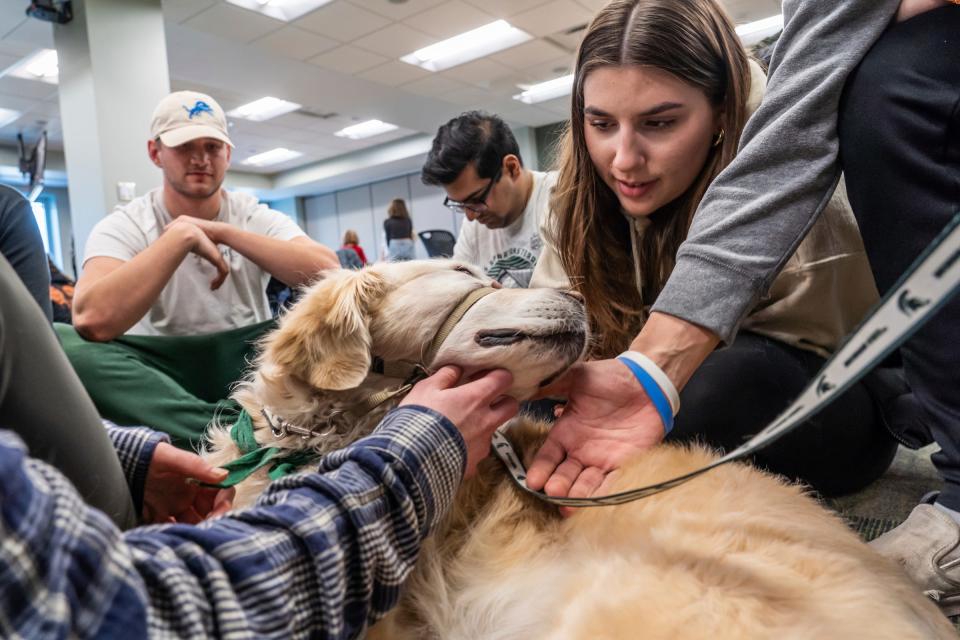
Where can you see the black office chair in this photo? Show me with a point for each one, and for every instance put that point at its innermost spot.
(438, 242)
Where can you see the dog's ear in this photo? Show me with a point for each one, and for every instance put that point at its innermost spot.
(325, 339)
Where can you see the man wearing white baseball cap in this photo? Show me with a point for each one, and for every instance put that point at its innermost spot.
(173, 282)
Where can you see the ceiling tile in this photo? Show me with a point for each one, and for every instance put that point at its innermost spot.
(394, 73)
(33, 32)
(529, 54)
(559, 106)
(433, 86)
(482, 73)
(395, 41)
(16, 49)
(468, 97)
(394, 10)
(233, 23)
(348, 59)
(557, 15)
(8, 60)
(550, 69)
(342, 21)
(295, 43)
(593, 5)
(506, 8)
(530, 116)
(449, 19)
(177, 11)
(32, 89)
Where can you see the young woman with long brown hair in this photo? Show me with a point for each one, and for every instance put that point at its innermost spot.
(662, 92)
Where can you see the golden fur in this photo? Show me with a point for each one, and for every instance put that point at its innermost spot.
(735, 553)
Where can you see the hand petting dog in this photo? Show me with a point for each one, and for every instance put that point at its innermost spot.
(476, 407)
(172, 492)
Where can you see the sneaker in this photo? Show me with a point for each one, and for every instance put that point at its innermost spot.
(927, 546)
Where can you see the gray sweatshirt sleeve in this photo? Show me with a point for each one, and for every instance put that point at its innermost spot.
(760, 207)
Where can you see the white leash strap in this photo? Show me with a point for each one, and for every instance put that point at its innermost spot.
(932, 279)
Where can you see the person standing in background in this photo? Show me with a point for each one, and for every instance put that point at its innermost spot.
(398, 230)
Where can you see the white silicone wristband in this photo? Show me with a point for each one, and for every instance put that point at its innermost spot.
(658, 376)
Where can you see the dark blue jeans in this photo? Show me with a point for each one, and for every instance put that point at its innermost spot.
(899, 131)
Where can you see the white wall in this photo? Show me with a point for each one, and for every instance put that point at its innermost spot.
(364, 209)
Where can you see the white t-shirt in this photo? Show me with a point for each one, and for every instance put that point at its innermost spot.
(508, 255)
(186, 305)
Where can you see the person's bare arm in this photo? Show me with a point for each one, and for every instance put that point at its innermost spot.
(293, 262)
(112, 295)
(910, 8)
(677, 346)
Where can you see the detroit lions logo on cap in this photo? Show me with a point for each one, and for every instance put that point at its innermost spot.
(199, 107)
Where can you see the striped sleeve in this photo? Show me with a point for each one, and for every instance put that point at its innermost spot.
(135, 447)
(322, 554)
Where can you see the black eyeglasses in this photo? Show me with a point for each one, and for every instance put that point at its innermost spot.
(477, 204)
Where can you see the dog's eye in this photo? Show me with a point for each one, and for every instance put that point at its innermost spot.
(463, 269)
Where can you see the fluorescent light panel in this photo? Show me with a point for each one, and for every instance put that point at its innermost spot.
(41, 65)
(546, 90)
(285, 10)
(274, 156)
(263, 109)
(468, 46)
(753, 32)
(7, 116)
(366, 129)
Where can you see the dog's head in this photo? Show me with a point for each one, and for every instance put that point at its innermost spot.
(393, 311)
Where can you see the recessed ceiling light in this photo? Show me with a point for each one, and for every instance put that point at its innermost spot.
(285, 10)
(7, 116)
(468, 46)
(752, 32)
(41, 65)
(274, 156)
(366, 129)
(546, 90)
(263, 109)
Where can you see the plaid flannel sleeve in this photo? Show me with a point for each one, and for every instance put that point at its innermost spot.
(322, 554)
(135, 447)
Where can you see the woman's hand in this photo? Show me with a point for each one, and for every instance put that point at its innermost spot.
(608, 418)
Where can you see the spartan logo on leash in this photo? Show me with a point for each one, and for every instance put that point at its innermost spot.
(908, 304)
(824, 387)
(198, 108)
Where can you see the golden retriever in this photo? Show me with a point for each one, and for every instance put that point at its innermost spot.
(735, 553)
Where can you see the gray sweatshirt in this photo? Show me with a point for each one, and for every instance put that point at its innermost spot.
(757, 211)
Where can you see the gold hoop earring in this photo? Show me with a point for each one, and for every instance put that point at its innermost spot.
(718, 139)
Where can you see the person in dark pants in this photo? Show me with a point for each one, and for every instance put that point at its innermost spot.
(900, 150)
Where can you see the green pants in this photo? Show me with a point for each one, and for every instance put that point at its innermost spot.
(169, 383)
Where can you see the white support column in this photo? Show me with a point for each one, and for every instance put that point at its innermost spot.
(113, 72)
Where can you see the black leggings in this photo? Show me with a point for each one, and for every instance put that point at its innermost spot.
(900, 148)
(739, 390)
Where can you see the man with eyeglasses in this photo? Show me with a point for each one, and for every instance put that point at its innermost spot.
(476, 159)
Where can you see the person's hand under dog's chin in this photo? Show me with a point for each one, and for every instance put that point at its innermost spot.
(474, 402)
